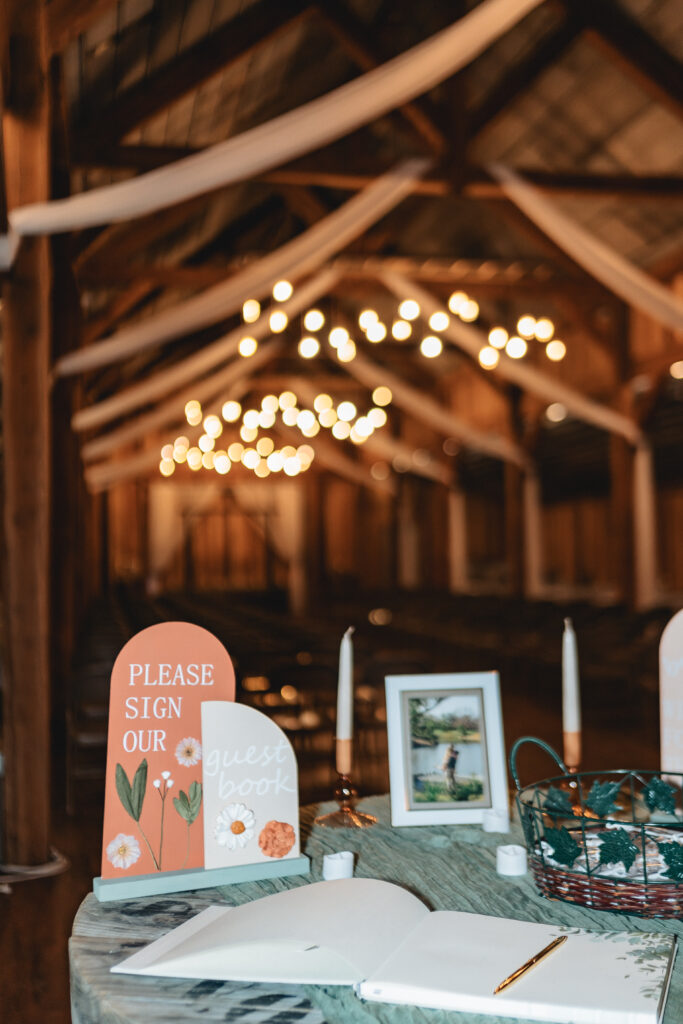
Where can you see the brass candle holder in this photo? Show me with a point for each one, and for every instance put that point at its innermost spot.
(347, 816)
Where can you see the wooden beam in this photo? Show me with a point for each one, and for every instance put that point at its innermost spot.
(68, 19)
(139, 290)
(260, 23)
(26, 446)
(638, 54)
(521, 76)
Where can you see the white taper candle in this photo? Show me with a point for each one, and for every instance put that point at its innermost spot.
(345, 703)
(571, 697)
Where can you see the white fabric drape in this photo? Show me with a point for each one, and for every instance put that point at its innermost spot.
(442, 420)
(299, 131)
(471, 340)
(208, 359)
(300, 256)
(627, 281)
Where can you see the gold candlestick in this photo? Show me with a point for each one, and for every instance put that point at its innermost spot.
(347, 816)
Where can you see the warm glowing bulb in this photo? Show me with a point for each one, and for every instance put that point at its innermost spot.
(382, 395)
(266, 419)
(322, 402)
(457, 301)
(261, 469)
(346, 411)
(287, 400)
(221, 463)
(346, 352)
(488, 357)
(341, 430)
(377, 417)
(270, 403)
(208, 460)
(250, 458)
(206, 443)
(313, 320)
(556, 350)
(327, 418)
(526, 326)
(439, 320)
(431, 346)
(290, 416)
(247, 347)
(180, 453)
(367, 317)
(544, 329)
(376, 332)
(193, 413)
(401, 330)
(251, 311)
(275, 462)
(312, 430)
(282, 290)
(235, 451)
(194, 458)
(676, 369)
(409, 309)
(167, 467)
(277, 321)
(292, 466)
(556, 412)
(498, 337)
(469, 311)
(305, 419)
(264, 446)
(167, 451)
(251, 418)
(516, 347)
(305, 454)
(338, 336)
(309, 347)
(231, 411)
(288, 451)
(363, 427)
(248, 434)
(213, 426)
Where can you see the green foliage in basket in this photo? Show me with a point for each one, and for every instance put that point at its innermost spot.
(564, 846)
(557, 803)
(601, 797)
(616, 847)
(659, 795)
(673, 855)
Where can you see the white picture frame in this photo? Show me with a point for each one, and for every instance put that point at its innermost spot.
(448, 775)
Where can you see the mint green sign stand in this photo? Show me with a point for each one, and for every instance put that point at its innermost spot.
(108, 889)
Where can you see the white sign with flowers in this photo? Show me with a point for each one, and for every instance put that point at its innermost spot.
(250, 784)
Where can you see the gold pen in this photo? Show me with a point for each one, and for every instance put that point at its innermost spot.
(535, 959)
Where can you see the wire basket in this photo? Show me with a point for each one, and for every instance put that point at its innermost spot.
(610, 840)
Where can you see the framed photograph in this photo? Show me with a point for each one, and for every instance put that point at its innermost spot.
(446, 748)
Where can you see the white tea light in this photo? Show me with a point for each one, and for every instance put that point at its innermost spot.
(338, 865)
(511, 860)
(496, 819)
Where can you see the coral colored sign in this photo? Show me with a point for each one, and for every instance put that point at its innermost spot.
(153, 810)
(671, 695)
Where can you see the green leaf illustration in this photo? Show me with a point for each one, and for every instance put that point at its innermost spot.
(188, 806)
(564, 846)
(139, 788)
(601, 797)
(660, 795)
(557, 802)
(673, 855)
(616, 848)
(124, 791)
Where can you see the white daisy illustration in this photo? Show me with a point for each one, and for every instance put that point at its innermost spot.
(123, 851)
(188, 752)
(234, 826)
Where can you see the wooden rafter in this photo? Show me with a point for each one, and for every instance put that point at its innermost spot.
(67, 19)
(253, 27)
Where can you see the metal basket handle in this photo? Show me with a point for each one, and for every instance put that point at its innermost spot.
(539, 743)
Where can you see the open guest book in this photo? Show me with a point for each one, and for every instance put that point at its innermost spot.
(382, 940)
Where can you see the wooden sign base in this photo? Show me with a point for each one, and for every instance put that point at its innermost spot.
(108, 889)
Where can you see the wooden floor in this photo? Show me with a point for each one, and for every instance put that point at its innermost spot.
(35, 918)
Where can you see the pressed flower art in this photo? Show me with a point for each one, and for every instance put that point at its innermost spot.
(188, 752)
(123, 851)
(234, 826)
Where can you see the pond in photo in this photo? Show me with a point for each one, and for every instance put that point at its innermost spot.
(446, 749)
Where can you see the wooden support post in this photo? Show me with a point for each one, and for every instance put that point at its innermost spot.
(26, 444)
(621, 517)
(297, 583)
(458, 568)
(514, 528)
(408, 538)
(533, 551)
(644, 529)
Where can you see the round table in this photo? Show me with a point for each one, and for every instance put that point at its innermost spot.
(451, 866)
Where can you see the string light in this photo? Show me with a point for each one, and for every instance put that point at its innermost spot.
(282, 290)
(367, 317)
(439, 320)
(247, 347)
(409, 309)
(261, 469)
(213, 426)
(275, 462)
(338, 336)
(544, 329)
(206, 443)
(290, 416)
(456, 302)
(292, 466)
(305, 419)
(376, 332)
(278, 321)
(251, 311)
(516, 347)
(327, 418)
(266, 419)
(248, 434)
(208, 460)
(250, 418)
(193, 413)
(221, 463)
(341, 430)
(313, 320)
(676, 369)
(231, 411)
(180, 453)
(382, 395)
(309, 347)
(469, 311)
(401, 330)
(526, 326)
(431, 346)
(556, 412)
(377, 417)
(488, 357)
(264, 446)
(322, 402)
(379, 471)
(287, 400)
(235, 451)
(346, 411)
(167, 467)
(250, 458)
(346, 352)
(167, 452)
(498, 337)
(194, 458)
(269, 403)
(556, 350)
